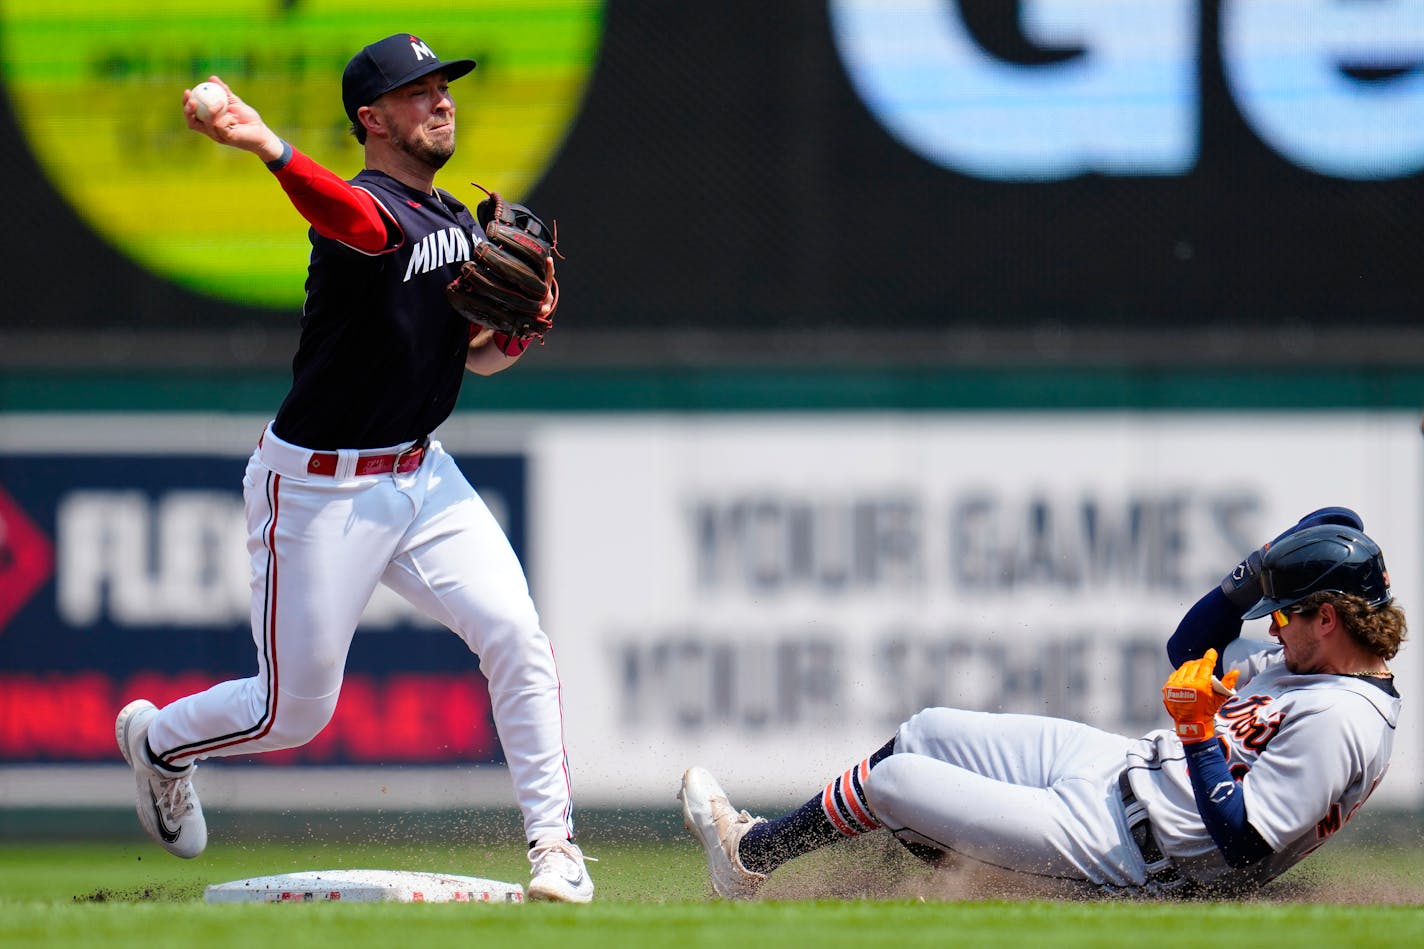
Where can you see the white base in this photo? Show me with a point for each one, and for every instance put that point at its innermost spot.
(364, 886)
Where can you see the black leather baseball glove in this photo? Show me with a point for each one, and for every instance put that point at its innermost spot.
(509, 284)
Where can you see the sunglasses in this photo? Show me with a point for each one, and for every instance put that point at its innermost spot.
(1282, 617)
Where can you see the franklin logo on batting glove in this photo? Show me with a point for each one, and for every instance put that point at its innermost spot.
(1193, 695)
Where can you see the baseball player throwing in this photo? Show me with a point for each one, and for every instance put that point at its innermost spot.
(347, 490)
(1260, 767)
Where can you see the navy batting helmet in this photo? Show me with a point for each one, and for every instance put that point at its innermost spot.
(1332, 557)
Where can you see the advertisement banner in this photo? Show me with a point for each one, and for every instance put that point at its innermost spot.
(770, 597)
(1039, 167)
(125, 574)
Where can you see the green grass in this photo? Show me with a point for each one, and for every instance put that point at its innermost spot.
(654, 893)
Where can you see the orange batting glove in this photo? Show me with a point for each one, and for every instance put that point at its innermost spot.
(1192, 696)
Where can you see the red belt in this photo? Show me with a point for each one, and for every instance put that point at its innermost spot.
(409, 459)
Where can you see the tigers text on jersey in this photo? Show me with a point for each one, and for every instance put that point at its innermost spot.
(382, 354)
(1306, 751)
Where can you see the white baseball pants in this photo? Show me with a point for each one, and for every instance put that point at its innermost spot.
(319, 545)
(1021, 792)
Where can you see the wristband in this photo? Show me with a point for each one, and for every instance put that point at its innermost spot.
(280, 162)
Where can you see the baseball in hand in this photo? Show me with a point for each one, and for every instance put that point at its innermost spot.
(209, 100)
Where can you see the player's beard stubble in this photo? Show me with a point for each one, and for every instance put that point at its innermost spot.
(433, 147)
(1302, 652)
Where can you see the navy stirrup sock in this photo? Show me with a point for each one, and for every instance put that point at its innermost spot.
(839, 811)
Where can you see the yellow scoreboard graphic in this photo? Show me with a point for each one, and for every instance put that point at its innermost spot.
(97, 86)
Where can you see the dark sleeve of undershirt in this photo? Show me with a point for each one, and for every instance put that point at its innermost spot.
(1223, 806)
(1212, 623)
(332, 206)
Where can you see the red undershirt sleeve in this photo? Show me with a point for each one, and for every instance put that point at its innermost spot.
(334, 207)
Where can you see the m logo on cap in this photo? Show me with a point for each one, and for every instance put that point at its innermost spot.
(421, 51)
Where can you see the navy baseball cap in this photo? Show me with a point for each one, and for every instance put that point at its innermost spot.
(389, 64)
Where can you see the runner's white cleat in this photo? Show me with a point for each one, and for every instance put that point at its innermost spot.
(167, 805)
(558, 872)
(710, 817)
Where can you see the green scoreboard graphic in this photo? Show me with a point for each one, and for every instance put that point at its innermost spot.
(97, 85)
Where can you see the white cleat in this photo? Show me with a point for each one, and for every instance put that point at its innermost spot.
(558, 872)
(710, 817)
(167, 805)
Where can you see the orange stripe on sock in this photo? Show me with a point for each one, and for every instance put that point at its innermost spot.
(828, 805)
(857, 809)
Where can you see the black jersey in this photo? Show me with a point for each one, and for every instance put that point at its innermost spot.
(382, 354)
